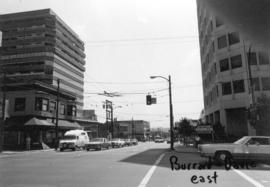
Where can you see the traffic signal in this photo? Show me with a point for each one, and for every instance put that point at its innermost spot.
(148, 100)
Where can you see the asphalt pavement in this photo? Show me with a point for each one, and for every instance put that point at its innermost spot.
(147, 164)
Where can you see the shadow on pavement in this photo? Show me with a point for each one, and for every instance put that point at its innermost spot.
(188, 159)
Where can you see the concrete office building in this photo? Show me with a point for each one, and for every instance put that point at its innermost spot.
(225, 73)
(38, 49)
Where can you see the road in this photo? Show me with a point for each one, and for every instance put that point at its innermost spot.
(147, 164)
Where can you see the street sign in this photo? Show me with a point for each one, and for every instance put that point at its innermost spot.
(153, 100)
(205, 129)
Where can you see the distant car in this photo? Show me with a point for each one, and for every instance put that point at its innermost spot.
(248, 147)
(128, 142)
(159, 140)
(98, 144)
(134, 141)
(117, 142)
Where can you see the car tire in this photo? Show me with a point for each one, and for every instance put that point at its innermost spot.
(61, 150)
(73, 149)
(221, 156)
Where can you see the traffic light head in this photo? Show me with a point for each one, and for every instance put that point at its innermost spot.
(148, 100)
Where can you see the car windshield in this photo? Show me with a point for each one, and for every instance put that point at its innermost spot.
(69, 137)
(241, 141)
(97, 140)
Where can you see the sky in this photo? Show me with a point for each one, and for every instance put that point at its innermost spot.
(126, 42)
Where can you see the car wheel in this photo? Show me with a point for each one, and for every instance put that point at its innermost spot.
(61, 150)
(221, 156)
(73, 149)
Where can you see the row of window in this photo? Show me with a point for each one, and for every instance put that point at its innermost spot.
(237, 86)
(234, 62)
(42, 104)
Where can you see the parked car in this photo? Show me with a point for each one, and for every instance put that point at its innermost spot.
(134, 141)
(73, 140)
(128, 142)
(98, 144)
(248, 147)
(159, 140)
(117, 142)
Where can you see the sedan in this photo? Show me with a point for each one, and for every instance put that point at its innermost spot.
(98, 144)
(254, 148)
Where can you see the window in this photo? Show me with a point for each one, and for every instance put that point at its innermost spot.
(52, 106)
(19, 104)
(62, 109)
(218, 22)
(222, 42)
(226, 88)
(38, 104)
(41, 104)
(217, 92)
(252, 58)
(266, 83)
(224, 65)
(45, 104)
(256, 84)
(263, 58)
(71, 110)
(233, 38)
(236, 61)
(238, 86)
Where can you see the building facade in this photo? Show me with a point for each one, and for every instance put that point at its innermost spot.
(229, 65)
(138, 129)
(41, 63)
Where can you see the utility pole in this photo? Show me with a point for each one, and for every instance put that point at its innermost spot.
(132, 128)
(171, 113)
(57, 109)
(2, 126)
(112, 120)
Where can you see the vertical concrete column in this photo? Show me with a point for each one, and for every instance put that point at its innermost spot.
(223, 119)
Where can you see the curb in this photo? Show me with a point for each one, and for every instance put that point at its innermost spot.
(23, 152)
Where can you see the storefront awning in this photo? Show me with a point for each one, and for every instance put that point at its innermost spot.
(38, 122)
(68, 124)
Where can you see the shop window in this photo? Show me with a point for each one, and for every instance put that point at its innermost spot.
(222, 42)
(238, 86)
(256, 83)
(263, 58)
(252, 58)
(224, 65)
(266, 83)
(226, 88)
(233, 38)
(19, 104)
(236, 61)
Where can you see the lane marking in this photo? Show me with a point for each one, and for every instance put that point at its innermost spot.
(150, 172)
(249, 179)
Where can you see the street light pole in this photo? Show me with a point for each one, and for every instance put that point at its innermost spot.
(170, 107)
(57, 115)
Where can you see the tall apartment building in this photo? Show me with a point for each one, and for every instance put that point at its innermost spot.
(38, 51)
(225, 73)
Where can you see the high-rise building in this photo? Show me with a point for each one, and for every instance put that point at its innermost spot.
(41, 62)
(229, 65)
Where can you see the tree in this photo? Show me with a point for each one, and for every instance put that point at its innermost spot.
(185, 129)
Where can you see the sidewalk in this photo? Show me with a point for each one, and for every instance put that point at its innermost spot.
(6, 153)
